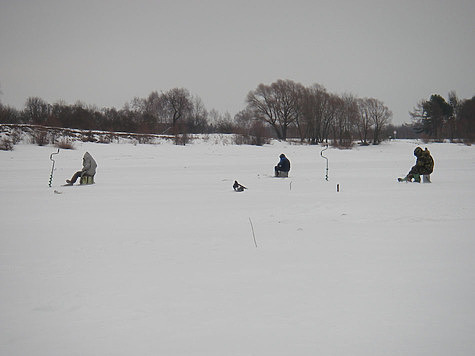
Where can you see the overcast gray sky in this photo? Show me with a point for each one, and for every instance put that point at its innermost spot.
(106, 52)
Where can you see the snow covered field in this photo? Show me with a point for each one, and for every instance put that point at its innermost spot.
(158, 257)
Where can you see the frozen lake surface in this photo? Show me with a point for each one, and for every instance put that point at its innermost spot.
(158, 257)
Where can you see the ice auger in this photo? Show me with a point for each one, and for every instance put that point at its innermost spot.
(52, 168)
(326, 170)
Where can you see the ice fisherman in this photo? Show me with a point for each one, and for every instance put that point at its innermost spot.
(424, 166)
(283, 167)
(238, 187)
(89, 166)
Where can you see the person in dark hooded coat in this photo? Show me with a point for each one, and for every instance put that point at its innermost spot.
(424, 166)
(282, 166)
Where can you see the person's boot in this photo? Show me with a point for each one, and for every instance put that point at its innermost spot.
(417, 178)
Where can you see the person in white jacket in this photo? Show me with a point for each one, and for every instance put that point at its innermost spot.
(89, 166)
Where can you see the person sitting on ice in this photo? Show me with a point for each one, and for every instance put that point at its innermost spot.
(283, 167)
(238, 187)
(424, 166)
(88, 171)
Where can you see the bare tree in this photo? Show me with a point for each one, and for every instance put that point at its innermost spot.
(177, 105)
(331, 110)
(222, 123)
(364, 122)
(379, 115)
(37, 110)
(198, 120)
(277, 104)
(153, 108)
(313, 103)
(244, 120)
(9, 115)
(345, 121)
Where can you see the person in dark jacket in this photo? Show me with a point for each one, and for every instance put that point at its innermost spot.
(238, 187)
(89, 166)
(282, 167)
(424, 166)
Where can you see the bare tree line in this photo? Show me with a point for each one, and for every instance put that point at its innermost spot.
(315, 115)
(283, 109)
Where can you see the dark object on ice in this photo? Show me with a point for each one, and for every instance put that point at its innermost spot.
(326, 159)
(424, 167)
(238, 187)
(87, 173)
(283, 167)
(52, 168)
